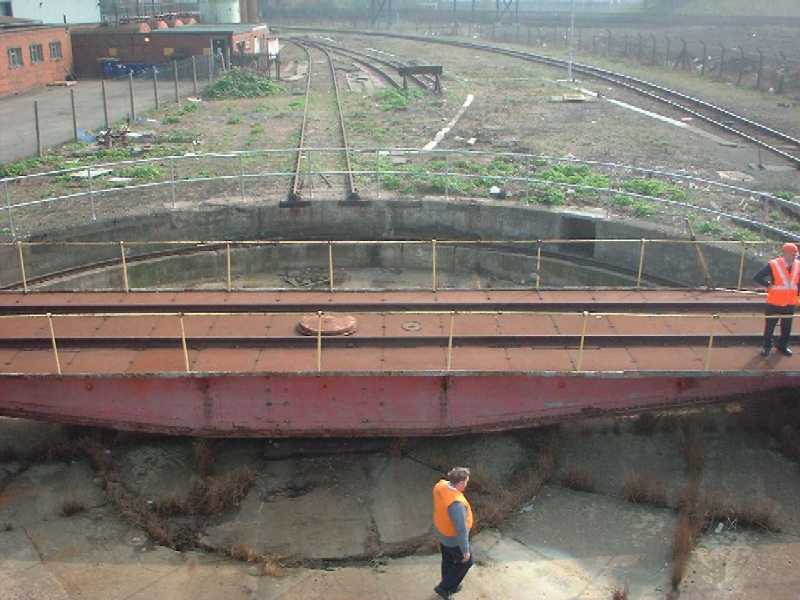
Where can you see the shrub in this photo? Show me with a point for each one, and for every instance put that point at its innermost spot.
(643, 208)
(71, 507)
(551, 197)
(578, 479)
(234, 120)
(392, 99)
(171, 120)
(143, 171)
(237, 83)
(643, 488)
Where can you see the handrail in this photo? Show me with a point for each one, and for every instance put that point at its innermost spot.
(764, 197)
(26, 281)
(317, 339)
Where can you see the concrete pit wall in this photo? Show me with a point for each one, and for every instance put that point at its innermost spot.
(593, 264)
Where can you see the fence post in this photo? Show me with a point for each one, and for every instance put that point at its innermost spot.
(330, 265)
(195, 89)
(38, 129)
(132, 95)
(105, 103)
(641, 264)
(741, 266)
(538, 264)
(211, 64)
(184, 346)
(175, 81)
(74, 114)
(760, 73)
(742, 59)
(707, 364)
(22, 267)
(228, 265)
(585, 324)
(53, 342)
(319, 341)
(433, 265)
(668, 49)
(155, 88)
(450, 340)
(705, 59)
(8, 209)
(125, 282)
(723, 51)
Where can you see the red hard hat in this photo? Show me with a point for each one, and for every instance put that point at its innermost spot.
(790, 248)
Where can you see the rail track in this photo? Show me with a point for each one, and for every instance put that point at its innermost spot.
(316, 124)
(759, 134)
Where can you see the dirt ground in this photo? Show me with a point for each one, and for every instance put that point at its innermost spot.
(348, 519)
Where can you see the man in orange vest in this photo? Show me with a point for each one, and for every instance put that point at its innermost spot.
(452, 521)
(781, 277)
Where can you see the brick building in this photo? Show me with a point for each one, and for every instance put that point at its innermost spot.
(156, 43)
(32, 55)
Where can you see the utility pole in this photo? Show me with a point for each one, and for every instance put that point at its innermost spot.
(571, 40)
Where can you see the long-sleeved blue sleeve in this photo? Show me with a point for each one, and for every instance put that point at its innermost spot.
(458, 515)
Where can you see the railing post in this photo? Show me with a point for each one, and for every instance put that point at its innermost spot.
(22, 267)
(124, 267)
(53, 342)
(450, 340)
(74, 114)
(132, 96)
(7, 195)
(172, 180)
(184, 346)
(538, 264)
(707, 365)
(38, 128)
(91, 192)
(319, 341)
(377, 174)
(241, 176)
(585, 324)
(105, 103)
(433, 265)
(741, 266)
(228, 265)
(330, 265)
(641, 264)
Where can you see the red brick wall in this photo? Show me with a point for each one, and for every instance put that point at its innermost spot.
(132, 47)
(29, 75)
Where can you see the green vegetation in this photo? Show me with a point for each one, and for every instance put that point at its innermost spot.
(146, 171)
(654, 187)
(709, 228)
(234, 120)
(256, 129)
(392, 99)
(297, 103)
(171, 120)
(785, 195)
(574, 175)
(189, 107)
(237, 83)
(643, 208)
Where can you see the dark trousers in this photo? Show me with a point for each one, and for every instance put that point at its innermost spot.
(786, 325)
(453, 568)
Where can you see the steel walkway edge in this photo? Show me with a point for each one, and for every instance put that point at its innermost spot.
(374, 404)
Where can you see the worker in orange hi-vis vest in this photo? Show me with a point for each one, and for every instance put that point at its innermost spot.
(452, 521)
(781, 277)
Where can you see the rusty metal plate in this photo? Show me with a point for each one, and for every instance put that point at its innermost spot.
(327, 325)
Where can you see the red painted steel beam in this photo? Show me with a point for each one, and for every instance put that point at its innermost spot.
(303, 404)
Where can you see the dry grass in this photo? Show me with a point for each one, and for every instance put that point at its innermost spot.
(684, 539)
(203, 456)
(643, 488)
(692, 448)
(71, 507)
(620, 593)
(225, 491)
(243, 552)
(578, 479)
(269, 566)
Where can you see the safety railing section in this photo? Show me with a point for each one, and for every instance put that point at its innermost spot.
(457, 329)
(89, 191)
(225, 264)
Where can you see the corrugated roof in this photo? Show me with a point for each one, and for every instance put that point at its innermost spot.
(213, 28)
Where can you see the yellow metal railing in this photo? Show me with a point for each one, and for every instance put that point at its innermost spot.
(535, 247)
(467, 316)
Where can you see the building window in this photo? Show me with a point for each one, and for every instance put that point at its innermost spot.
(55, 51)
(37, 53)
(5, 9)
(14, 58)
